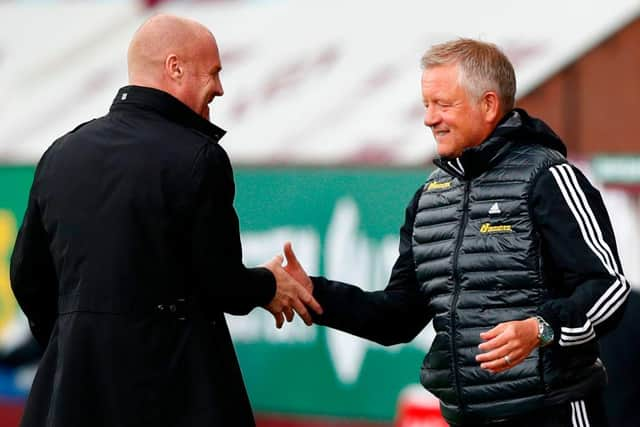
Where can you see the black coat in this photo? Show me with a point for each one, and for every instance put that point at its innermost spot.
(128, 215)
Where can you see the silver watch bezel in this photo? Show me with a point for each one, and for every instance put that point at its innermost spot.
(545, 332)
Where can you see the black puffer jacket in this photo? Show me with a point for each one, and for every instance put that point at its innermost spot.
(507, 231)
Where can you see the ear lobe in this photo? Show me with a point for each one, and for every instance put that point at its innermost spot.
(172, 67)
(491, 106)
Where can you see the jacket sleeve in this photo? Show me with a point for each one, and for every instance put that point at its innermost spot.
(33, 277)
(390, 316)
(220, 276)
(588, 288)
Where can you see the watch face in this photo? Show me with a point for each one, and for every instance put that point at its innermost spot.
(545, 332)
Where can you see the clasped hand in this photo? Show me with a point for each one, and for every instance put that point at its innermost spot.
(294, 289)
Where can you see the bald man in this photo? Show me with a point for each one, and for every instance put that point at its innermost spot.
(129, 254)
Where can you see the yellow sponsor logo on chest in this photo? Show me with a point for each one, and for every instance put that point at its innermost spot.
(438, 185)
(488, 228)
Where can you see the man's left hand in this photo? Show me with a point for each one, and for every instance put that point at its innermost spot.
(507, 344)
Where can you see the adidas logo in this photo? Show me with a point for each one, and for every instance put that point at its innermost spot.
(495, 209)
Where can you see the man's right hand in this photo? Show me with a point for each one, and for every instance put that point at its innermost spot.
(294, 268)
(290, 295)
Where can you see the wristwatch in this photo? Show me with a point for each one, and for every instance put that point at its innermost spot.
(545, 332)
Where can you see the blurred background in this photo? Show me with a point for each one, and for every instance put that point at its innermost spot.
(324, 116)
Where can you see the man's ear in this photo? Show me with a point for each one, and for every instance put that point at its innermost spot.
(491, 107)
(173, 67)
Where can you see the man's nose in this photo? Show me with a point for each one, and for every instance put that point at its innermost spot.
(430, 117)
(217, 88)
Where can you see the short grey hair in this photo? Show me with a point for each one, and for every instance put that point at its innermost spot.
(482, 67)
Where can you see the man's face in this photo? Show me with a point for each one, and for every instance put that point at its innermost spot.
(201, 82)
(456, 120)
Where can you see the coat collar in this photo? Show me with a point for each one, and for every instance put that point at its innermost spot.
(476, 160)
(166, 105)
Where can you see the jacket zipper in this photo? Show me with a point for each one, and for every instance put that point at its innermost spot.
(456, 290)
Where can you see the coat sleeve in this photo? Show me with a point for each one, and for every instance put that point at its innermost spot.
(220, 275)
(33, 277)
(390, 316)
(588, 287)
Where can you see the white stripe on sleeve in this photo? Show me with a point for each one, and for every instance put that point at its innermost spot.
(616, 294)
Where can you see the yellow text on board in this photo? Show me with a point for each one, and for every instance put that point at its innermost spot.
(8, 305)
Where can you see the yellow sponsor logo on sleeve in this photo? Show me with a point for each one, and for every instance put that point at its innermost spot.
(438, 185)
(488, 228)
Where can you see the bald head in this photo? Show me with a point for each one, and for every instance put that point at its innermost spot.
(178, 56)
(159, 37)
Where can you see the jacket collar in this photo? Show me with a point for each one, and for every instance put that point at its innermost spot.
(476, 160)
(166, 105)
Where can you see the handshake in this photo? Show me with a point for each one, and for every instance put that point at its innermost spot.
(294, 289)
